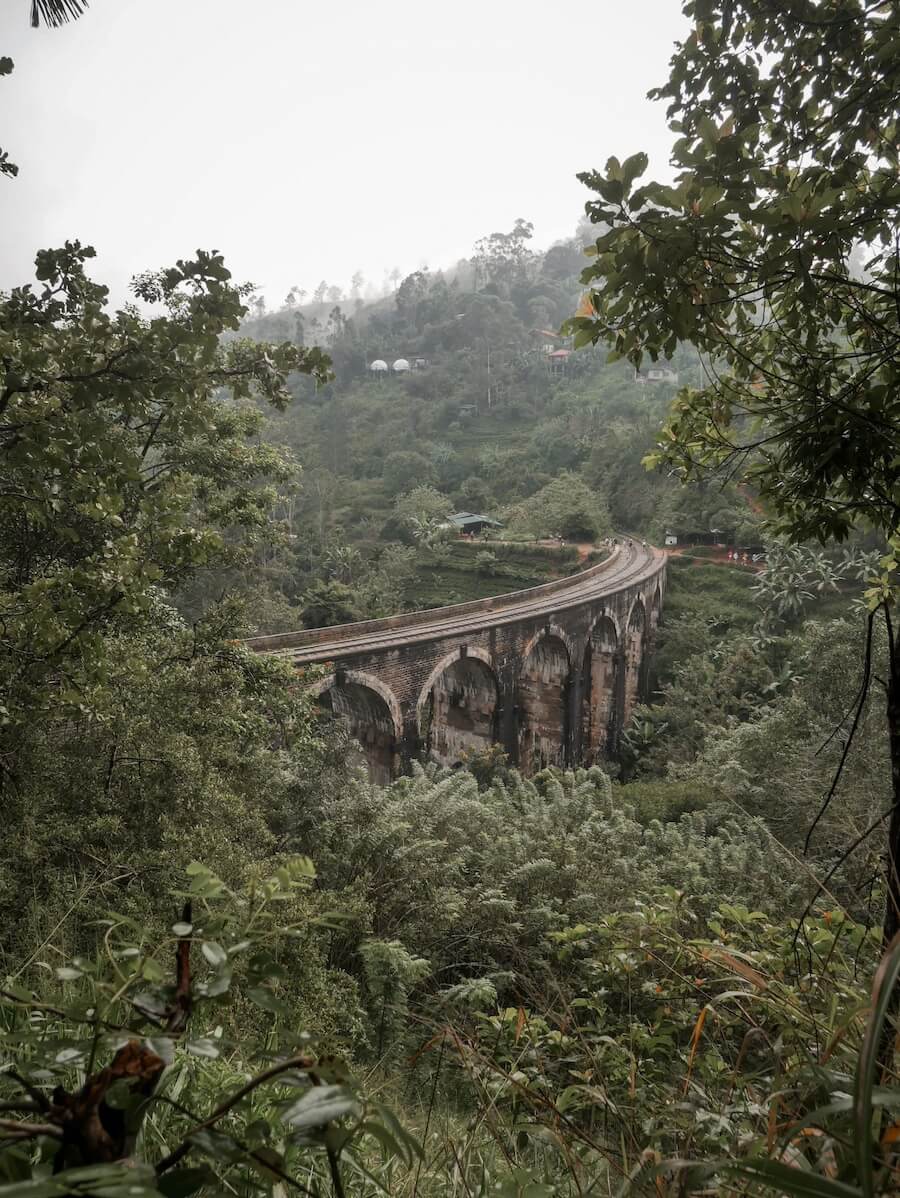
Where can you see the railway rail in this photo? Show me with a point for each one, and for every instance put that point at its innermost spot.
(628, 564)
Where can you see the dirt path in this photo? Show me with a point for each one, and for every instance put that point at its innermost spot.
(718, 559)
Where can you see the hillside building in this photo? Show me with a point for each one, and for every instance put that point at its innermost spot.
(471, 523)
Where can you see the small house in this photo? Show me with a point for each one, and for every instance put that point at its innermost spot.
(548, 340)
(656, 374)
(558, 360)
(471, 523)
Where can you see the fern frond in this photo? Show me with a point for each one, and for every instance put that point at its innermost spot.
(56, 12)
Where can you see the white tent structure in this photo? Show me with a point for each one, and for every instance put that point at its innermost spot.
(400, 366)
(379, 366)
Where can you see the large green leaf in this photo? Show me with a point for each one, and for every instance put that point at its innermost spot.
(797, 1183)
(886, 979)
(93, 1181)
(319, 1105)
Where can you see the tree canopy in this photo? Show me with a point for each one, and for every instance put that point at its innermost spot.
(775, 252)
(126, 460)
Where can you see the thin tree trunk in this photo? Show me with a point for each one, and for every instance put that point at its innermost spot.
(892, 865)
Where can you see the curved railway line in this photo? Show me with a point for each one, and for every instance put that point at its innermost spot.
(626, 566)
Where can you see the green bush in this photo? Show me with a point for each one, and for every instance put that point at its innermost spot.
(329, 602)
(485, 562)
(505, 865)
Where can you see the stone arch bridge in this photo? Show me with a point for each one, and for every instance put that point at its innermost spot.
(552, 673)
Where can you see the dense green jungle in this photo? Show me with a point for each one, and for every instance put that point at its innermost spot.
(231, 963)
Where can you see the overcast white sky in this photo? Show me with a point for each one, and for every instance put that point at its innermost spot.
(308, 140)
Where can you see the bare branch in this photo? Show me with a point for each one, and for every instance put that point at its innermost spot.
(298, 1062)
(12, 1129)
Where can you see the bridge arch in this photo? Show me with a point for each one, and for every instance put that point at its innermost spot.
(635, 635)
(458, 707)
(550, 629)
(371, 713)
(655, 608)
(601, 716)
(637, 616)
(542, 701)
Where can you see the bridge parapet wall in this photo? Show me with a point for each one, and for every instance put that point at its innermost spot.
(311, 637)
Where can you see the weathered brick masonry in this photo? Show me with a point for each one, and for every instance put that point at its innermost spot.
(552, 674)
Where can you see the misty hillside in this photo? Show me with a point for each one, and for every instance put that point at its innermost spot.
(490, 411)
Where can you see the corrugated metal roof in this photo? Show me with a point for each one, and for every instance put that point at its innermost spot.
(461, 519)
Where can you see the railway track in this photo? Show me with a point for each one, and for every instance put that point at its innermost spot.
(625, 566)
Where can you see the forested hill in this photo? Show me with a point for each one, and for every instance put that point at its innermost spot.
(496, 415)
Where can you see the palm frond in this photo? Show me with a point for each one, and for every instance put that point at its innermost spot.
(56, 12)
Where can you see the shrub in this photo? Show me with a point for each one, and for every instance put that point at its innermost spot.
(485, 562)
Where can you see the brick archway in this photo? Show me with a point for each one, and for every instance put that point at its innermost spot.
(542, 699)
(458, 708)
(371, 714)
(635, 634)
